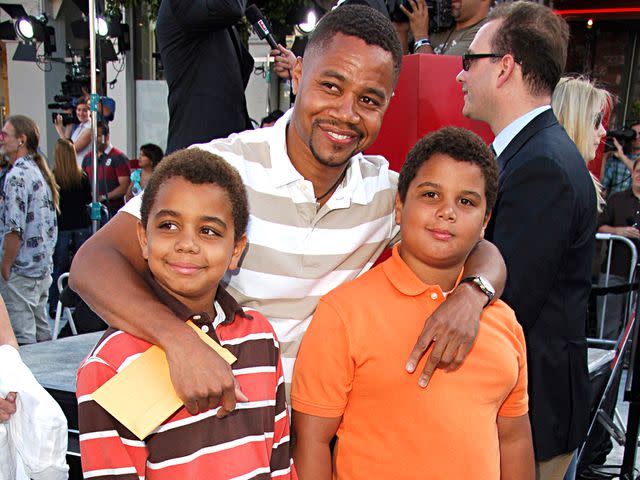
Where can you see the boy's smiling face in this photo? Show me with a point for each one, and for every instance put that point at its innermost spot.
(443, 216)
(189, 241)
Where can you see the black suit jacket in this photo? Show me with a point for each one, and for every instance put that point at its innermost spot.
(544, 224)
(206, 67)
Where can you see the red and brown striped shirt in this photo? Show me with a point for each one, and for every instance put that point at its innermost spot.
(250, 443)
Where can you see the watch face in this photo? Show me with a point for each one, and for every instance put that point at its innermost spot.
(484, 284)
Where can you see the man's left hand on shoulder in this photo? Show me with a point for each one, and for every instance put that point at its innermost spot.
(451, 329)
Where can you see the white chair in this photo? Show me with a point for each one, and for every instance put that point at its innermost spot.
(60, 308)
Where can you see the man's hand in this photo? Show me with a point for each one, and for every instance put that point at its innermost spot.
(418, 18)
(629, 232)
(452, 329)
(202, 378)
(5, 271)
(284, 60)
(7, 406)
(619, 149)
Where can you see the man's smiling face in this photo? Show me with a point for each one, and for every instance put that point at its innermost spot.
(341, 99)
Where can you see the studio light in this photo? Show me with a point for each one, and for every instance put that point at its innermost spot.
(28, 30)
(102, 27)
(310, 24)
(24, 29)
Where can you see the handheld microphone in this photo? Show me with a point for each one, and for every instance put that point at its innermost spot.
(260, 25)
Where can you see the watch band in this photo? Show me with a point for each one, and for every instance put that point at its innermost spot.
(480, 283)
(421, 43)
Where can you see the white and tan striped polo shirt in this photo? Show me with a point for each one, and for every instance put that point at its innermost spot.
(296, 252)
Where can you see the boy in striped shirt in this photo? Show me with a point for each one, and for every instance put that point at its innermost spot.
(194, 216)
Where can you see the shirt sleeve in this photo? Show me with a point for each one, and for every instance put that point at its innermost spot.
(132, 207)
(517, 402)
(324, 370)
(281, 462)
(106, 446)
(15, 203)
(122, 167)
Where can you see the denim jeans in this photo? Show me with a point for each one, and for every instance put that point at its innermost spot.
(69, 241)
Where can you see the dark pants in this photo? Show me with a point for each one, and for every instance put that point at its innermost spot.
(68, 243)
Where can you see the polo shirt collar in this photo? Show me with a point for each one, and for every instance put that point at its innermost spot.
(225, 306)
(283, 172)
(405, 280)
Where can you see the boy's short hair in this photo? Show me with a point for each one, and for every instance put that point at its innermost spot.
(199, 167)
(461, 145)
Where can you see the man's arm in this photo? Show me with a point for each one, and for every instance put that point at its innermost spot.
(110, 263)
(196, 16)
(516, 448)
(454, 324)
(120, 190)
(311, 451)
(12, 244)
(534, 248)
(419, 23)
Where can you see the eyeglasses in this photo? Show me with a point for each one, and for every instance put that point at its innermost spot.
(598, 120)
(467, 58)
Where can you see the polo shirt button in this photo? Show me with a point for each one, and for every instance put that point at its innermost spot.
(434, 296)
(205, 328)
(196, 317)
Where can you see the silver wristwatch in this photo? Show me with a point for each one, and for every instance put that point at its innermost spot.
(483, 284)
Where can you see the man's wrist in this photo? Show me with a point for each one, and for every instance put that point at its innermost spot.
(479, 295)
(423, 42)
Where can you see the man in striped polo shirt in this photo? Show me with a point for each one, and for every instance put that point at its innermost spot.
(321, 214)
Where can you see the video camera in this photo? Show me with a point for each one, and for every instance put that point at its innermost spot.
(440, 13)
(624, 135)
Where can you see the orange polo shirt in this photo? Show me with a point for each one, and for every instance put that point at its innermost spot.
(351, 364)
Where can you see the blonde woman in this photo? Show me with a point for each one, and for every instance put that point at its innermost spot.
(579, 106)
(74, 224)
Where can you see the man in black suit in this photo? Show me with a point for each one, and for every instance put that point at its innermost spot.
(545, 216)
(207, 68)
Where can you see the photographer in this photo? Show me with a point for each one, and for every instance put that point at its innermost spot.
(81, 136)
(618, 163)
(469, 16)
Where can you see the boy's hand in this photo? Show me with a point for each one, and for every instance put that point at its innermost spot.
(202, 378)
(452, 328)
(7, 406)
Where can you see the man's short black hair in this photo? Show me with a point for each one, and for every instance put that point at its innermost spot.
(537, 38)
(362, 22)
(460, 144)
(199, 167)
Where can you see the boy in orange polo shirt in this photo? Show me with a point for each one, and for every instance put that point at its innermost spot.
(349, 378)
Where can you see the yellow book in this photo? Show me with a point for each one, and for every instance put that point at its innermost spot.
(141, 396)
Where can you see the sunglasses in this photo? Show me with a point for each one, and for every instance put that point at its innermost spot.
(468, 58)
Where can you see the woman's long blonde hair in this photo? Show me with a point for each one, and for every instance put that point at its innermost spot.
(576, 102)
(25, 126)
(65, 167)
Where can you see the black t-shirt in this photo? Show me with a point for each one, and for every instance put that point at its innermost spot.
(206, 67)
(74, 210)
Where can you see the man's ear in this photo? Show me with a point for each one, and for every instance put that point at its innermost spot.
(142, 238)
(238, 250)
(507, 69)
(296, 75)
(398, 208)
